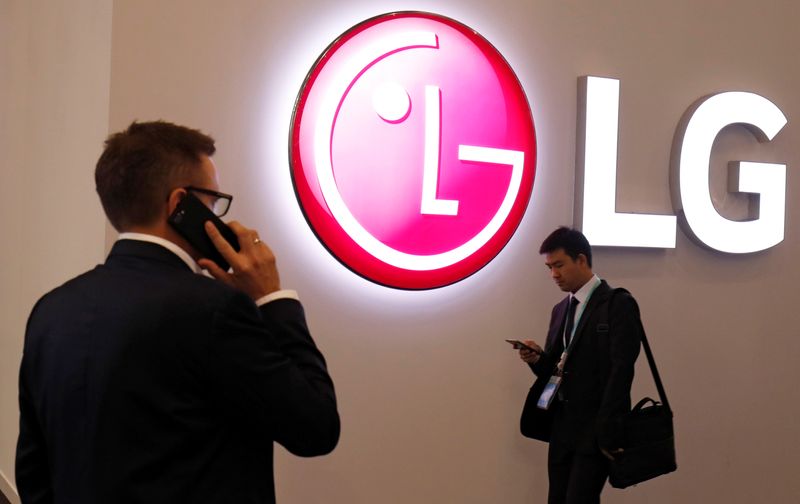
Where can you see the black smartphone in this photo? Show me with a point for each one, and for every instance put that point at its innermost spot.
(517, 344)
(189, 218)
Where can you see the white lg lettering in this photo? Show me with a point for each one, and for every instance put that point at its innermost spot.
(601, 223)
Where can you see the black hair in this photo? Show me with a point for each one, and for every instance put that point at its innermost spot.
(571, 241)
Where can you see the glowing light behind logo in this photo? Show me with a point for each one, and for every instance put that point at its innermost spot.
(765, 120)
(413, 150)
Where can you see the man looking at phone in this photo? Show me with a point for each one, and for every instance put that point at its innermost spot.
(584, 373)
(145, 382)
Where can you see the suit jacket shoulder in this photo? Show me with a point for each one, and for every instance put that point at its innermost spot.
(141, 367)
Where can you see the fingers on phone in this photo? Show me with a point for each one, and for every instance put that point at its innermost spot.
(247, 237)
(532, 345)
(244, 234)
(220, 242)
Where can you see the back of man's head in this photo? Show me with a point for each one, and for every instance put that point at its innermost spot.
(571, 241)
(142, 164)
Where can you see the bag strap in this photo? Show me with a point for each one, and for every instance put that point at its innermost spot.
(650, 359)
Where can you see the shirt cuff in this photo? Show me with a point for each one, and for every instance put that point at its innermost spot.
(274, 296)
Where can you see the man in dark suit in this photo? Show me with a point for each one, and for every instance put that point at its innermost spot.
(588, 361)
(143, 381)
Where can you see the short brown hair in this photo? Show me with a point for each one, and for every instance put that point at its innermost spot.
(142, 164)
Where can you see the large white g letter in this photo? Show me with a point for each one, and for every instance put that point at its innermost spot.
(764, 119)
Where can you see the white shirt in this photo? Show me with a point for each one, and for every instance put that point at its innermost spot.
(582, 295)
(186, 258)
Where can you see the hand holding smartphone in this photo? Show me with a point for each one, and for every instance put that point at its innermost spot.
(519, 345)
(253, 266)
(189, 219)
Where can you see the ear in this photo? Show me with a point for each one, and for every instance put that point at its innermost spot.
(174, 198)
(582, 261)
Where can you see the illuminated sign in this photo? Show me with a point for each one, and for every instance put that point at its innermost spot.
(413, 150)
(765, 120)
(601, 223)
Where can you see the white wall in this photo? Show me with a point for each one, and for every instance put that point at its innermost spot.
(429, 394)
(55, 61)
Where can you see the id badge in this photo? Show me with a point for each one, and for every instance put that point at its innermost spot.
(549, 392)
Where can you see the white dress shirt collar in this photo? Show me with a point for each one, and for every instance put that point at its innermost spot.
(184, 256)
(584, 292)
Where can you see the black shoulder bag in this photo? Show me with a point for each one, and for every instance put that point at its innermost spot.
(648, 439)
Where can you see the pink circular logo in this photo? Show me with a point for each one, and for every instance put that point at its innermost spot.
(413, 150)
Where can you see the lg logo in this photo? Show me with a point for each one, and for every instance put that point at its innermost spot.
(413, 150)
(694, 140)
(413, 156)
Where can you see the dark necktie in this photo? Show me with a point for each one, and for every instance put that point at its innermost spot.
(570, 320)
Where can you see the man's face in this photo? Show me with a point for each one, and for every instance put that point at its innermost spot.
(569, 274)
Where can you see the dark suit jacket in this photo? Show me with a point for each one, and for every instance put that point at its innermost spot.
(597, 377)
(142, 382)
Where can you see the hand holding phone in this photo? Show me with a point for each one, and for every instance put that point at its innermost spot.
(253, 267)
(189, 218)
(529, 352)
(519, 345)
(225, 246)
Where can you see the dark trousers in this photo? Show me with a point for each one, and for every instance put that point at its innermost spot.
(575, 478)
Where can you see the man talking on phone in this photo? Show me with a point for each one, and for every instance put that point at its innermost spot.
(583, 373)
(144, 381)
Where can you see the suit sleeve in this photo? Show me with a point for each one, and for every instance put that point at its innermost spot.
(547, 362)
(268, 365)
(34, 482)
(625, 329)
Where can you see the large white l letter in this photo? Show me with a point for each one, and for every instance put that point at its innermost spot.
(602, 225)
(765, 120)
